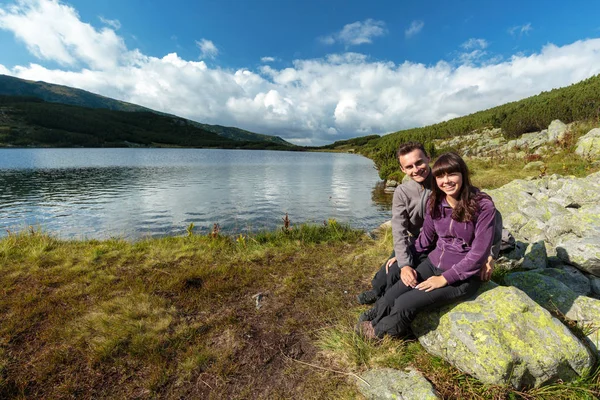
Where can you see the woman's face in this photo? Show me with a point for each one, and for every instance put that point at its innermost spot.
(450, 183)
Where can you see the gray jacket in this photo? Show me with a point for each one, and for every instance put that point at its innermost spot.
(408, 212)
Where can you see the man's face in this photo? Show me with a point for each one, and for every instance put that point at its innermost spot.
(416, 165)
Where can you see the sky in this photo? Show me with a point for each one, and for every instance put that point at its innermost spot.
(310, 71)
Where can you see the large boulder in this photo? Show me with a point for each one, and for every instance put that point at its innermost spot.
(570, 276)
(581, 252)
(589, 144)
(555, 296)
(557, 131)
(388, 384)
(501, 336)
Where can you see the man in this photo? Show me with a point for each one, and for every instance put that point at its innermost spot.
(408, 212)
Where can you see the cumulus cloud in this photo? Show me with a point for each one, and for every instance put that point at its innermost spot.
(113, 23)
(312, 101)
(357, 33)
(53, 31)
(414, 28)
(520, 29)
(207, 49)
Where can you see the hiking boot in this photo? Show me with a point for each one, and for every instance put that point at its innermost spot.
(368, 297)
(366, 330)
(368, 315)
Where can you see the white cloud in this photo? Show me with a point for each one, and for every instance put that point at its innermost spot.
(207, 49)
(113, 23)
(313, 101)
(475, 44)
(520, 29)
(267, 59)
(357, 33)
(53, 31)
(414, 28)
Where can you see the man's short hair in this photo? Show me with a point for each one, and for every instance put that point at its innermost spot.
(407, 147)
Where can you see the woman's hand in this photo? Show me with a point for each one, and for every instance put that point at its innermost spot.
(388, 264)
(487, 269)
(435, 282)
(408, 275)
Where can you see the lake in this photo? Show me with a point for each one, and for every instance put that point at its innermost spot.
(136, 193)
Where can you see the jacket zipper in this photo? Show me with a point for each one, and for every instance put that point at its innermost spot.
(443, 246)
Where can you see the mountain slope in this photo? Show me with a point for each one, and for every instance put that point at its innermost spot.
(51, 93)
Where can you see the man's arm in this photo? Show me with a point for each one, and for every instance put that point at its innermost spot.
(400, 225)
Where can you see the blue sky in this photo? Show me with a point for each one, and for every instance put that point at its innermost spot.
(309, 71)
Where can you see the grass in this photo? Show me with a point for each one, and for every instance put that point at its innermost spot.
(177, 318)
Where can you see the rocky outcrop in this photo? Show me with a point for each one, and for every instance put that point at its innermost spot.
(490, 142)
(589, 144)
(502, 336)
(561, 214)
(388, 383)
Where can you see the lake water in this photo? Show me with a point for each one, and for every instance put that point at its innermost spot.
(135, 193)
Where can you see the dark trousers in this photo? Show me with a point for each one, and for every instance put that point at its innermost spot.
(382, 279)
(399, 305)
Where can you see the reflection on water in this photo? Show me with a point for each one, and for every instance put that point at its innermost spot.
(381, 198)
(98, 193)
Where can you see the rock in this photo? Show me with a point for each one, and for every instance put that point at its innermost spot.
(554, 295)
(533, 231)
(535, 256)
(391, 183)
(495, 337)
(534, 165)
(584, 253)
(557, 131)
(595, 284)
(589, 144)
(570, 276)
(518, 252)
(389, 189)
(388, 383)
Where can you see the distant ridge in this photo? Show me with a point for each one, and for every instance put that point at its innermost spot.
(52, 93)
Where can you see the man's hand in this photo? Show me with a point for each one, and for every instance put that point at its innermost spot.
(435, 282)
(487, 269)
(388, 264)
(408, 275)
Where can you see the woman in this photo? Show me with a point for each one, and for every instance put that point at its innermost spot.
(457, 233)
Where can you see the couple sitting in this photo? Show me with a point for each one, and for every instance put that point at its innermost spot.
(443, 235)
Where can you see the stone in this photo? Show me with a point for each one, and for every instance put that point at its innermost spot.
(584, 253)
(388, 384)
(535, 256)
(495, 337)
(391, 183)
(534, 165)
(533, 231)
(557, 131)
(555, 296)
(589, 144)
(570, 276)
(595, 284)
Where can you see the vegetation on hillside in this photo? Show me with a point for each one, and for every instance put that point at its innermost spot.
(577, 102)
(27, 121)
(51, 93)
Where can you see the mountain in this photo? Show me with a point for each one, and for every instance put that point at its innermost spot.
(51, 93)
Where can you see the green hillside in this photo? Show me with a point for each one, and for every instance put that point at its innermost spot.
(51, 93)
(580, 101)
(30, 121)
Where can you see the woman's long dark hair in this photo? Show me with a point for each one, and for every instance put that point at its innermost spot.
(466, 208)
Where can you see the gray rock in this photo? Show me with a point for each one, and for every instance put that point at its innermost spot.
(535, 256)
(533, 231)
(555, 296)
(595, 284)
(388, 384)
(496, 337)
(589, 144)
(534, 165)
(557, 131)
(584, 253)
(570, 276)
(391, 183)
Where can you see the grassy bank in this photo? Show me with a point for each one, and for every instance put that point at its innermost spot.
(178, 318)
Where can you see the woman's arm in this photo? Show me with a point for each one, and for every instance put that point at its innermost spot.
(480, 247)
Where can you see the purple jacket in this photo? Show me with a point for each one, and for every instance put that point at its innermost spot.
(461, 248)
